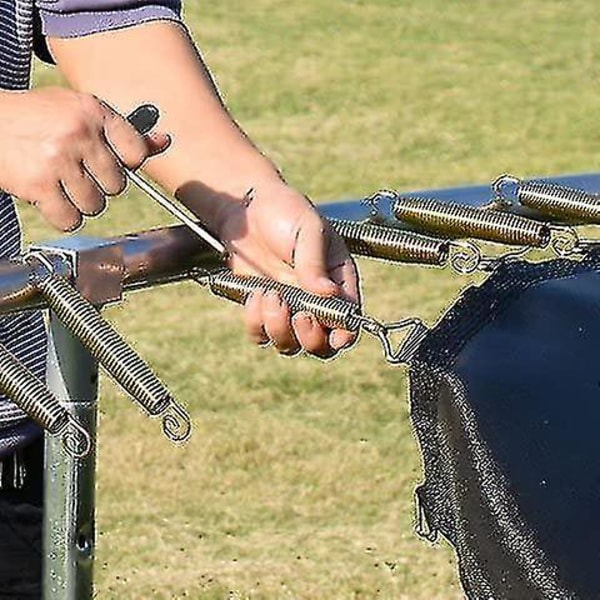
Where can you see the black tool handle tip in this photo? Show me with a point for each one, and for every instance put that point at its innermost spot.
(144, 118)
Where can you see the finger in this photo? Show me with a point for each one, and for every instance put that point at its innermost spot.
(346, 277)
(276, 318)
(253, 319)
(157, 142)
(311, 335)
(83, 192)
(105, 168)
(58, 210)
(310, 257)
(130, 147)
(341, 339)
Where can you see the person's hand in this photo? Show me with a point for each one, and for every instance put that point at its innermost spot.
(277, 233)
(64, 152)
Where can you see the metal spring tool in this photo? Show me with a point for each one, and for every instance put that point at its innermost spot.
(330, 311)
(125, 366)
(34, 398)
(458, 220)
(548, 198)
(400, 245)
(143, 119)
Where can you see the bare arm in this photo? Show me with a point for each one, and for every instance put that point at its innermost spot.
(211, 165)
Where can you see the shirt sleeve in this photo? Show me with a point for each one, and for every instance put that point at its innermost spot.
(75, 18)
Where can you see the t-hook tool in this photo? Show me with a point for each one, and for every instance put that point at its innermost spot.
(144, 118)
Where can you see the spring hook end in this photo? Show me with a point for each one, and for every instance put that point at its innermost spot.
(76, 440)
(407, 346)
(465, 257)
(176, 423)
(373, 203)
(500, 186)
(565, 241)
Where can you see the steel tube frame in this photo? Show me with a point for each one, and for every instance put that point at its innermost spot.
(149, 258)
(69, 482)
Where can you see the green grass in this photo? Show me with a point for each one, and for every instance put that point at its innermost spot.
(298, 482)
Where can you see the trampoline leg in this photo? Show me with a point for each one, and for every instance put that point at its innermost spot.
(69, 500)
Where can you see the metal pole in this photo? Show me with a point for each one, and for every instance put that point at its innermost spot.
(69, 502)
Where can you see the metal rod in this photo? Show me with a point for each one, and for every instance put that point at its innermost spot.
(69, 503)
(177, 212)
(143, 119)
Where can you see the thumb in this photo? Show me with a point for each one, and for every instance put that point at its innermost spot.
(310, 258)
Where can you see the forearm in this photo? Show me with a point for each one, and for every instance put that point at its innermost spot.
(210, 161)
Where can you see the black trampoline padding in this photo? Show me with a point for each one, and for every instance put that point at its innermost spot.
(505, 402)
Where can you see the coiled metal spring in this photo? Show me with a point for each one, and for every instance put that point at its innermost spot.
(331, 312)
(457, 220)
(388, 243)
(124, 365)
(400, 245)
(550, 198)
(36, 400)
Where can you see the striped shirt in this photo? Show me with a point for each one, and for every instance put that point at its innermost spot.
(24, 334)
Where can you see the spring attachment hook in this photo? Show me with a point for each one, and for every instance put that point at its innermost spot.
(332, 312)
(373, 203)
(465, 257)
(122, 363)
(408, 346)
(36, 400)
(547, 198)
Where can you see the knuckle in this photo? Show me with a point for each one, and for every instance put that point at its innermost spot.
(52, 155)
(91, 106)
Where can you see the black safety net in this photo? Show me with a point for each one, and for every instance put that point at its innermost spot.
(505, 402)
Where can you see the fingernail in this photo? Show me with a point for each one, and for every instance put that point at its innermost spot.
(337, 339)
(305, 317)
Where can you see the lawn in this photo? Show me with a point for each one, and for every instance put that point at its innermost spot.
(298, 481)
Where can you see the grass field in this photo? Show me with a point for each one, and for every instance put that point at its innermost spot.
(299, 479)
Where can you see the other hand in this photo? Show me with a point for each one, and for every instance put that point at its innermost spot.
(64, 152)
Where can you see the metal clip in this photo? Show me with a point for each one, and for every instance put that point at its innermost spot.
(409, 345)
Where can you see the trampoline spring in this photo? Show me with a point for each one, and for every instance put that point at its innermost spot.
(401, 245)
(330, 311)
(462, 221)
(389, 243)
(549, 198)
(121, 362)
(35, 399)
